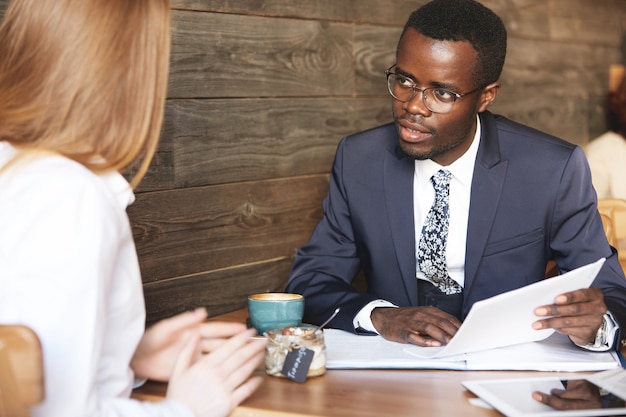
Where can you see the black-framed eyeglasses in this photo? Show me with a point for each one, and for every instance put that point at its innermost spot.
(436, 99)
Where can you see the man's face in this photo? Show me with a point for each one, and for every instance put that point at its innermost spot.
(445, 64)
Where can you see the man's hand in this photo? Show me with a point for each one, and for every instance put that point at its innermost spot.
(422, 326)
(577, 314)
(579, 395)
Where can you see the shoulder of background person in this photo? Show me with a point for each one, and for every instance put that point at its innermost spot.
(607, 141)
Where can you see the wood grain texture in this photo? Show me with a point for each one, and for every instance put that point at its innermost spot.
(222, 55)
(193, 230)
(363, 393)
(362, 11)
(261, 92)
(525, 19)
(374, 52)
(207, 142)
(583, 21)
(219, 291)
(544, 113)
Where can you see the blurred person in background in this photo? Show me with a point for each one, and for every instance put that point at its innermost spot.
(607, 153)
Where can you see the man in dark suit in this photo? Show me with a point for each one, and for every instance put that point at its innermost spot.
(512, 199)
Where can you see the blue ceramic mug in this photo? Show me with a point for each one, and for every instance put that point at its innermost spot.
(275, 310)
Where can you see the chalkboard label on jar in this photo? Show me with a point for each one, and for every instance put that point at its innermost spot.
(297, 364)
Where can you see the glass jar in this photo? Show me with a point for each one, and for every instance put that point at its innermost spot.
(281, 342)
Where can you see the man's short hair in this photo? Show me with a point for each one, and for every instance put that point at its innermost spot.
(465, 20)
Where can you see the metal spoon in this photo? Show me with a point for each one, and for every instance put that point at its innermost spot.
(310, 332)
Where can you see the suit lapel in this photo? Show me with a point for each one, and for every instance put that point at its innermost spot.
(399, 198)
(489, 175)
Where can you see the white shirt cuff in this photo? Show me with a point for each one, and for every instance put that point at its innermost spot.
(363, 320)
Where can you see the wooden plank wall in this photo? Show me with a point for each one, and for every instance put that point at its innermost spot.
(261, 92)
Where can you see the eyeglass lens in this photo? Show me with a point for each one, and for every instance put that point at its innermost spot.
(435, 99)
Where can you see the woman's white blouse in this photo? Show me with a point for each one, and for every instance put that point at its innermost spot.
(69, 270)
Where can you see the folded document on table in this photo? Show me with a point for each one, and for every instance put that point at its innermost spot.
(506, 319)
(496, 334)
(556, 353)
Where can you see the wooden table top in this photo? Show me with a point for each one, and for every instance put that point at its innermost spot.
(362, 393)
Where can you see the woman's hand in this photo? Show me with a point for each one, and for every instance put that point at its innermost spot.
(161, 344)
(213, 385)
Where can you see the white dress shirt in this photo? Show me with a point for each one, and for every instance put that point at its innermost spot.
(462, 171)
(69, 270)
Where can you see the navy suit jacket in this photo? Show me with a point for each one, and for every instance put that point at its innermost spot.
(531, 201)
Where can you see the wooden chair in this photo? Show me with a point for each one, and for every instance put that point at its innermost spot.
(609, 229)
(615, 209)
(21, 370)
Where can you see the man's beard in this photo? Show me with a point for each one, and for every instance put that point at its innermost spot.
(436, 151)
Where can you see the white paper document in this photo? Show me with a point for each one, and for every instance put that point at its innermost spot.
(556, 353)
(350, 351)
(506, 319)
(496, 335)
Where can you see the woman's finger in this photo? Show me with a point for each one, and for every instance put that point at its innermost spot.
(181, 321)
(187, 355)
(220, 329)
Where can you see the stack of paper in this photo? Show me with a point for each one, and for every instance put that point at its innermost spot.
(497, 334)
(349, 351)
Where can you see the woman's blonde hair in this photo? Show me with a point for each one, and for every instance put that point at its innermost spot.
(86, 79)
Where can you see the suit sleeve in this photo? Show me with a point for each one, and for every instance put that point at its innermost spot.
(325, 267)
(578, 236)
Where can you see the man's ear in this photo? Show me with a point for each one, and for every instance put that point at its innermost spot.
(488, 96)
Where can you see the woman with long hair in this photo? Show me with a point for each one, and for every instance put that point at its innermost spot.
(82, 90)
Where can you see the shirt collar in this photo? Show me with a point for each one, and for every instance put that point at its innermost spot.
(114, 181)
(119, 187)
(462, 169)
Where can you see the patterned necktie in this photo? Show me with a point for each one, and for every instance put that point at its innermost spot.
(431, 255)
